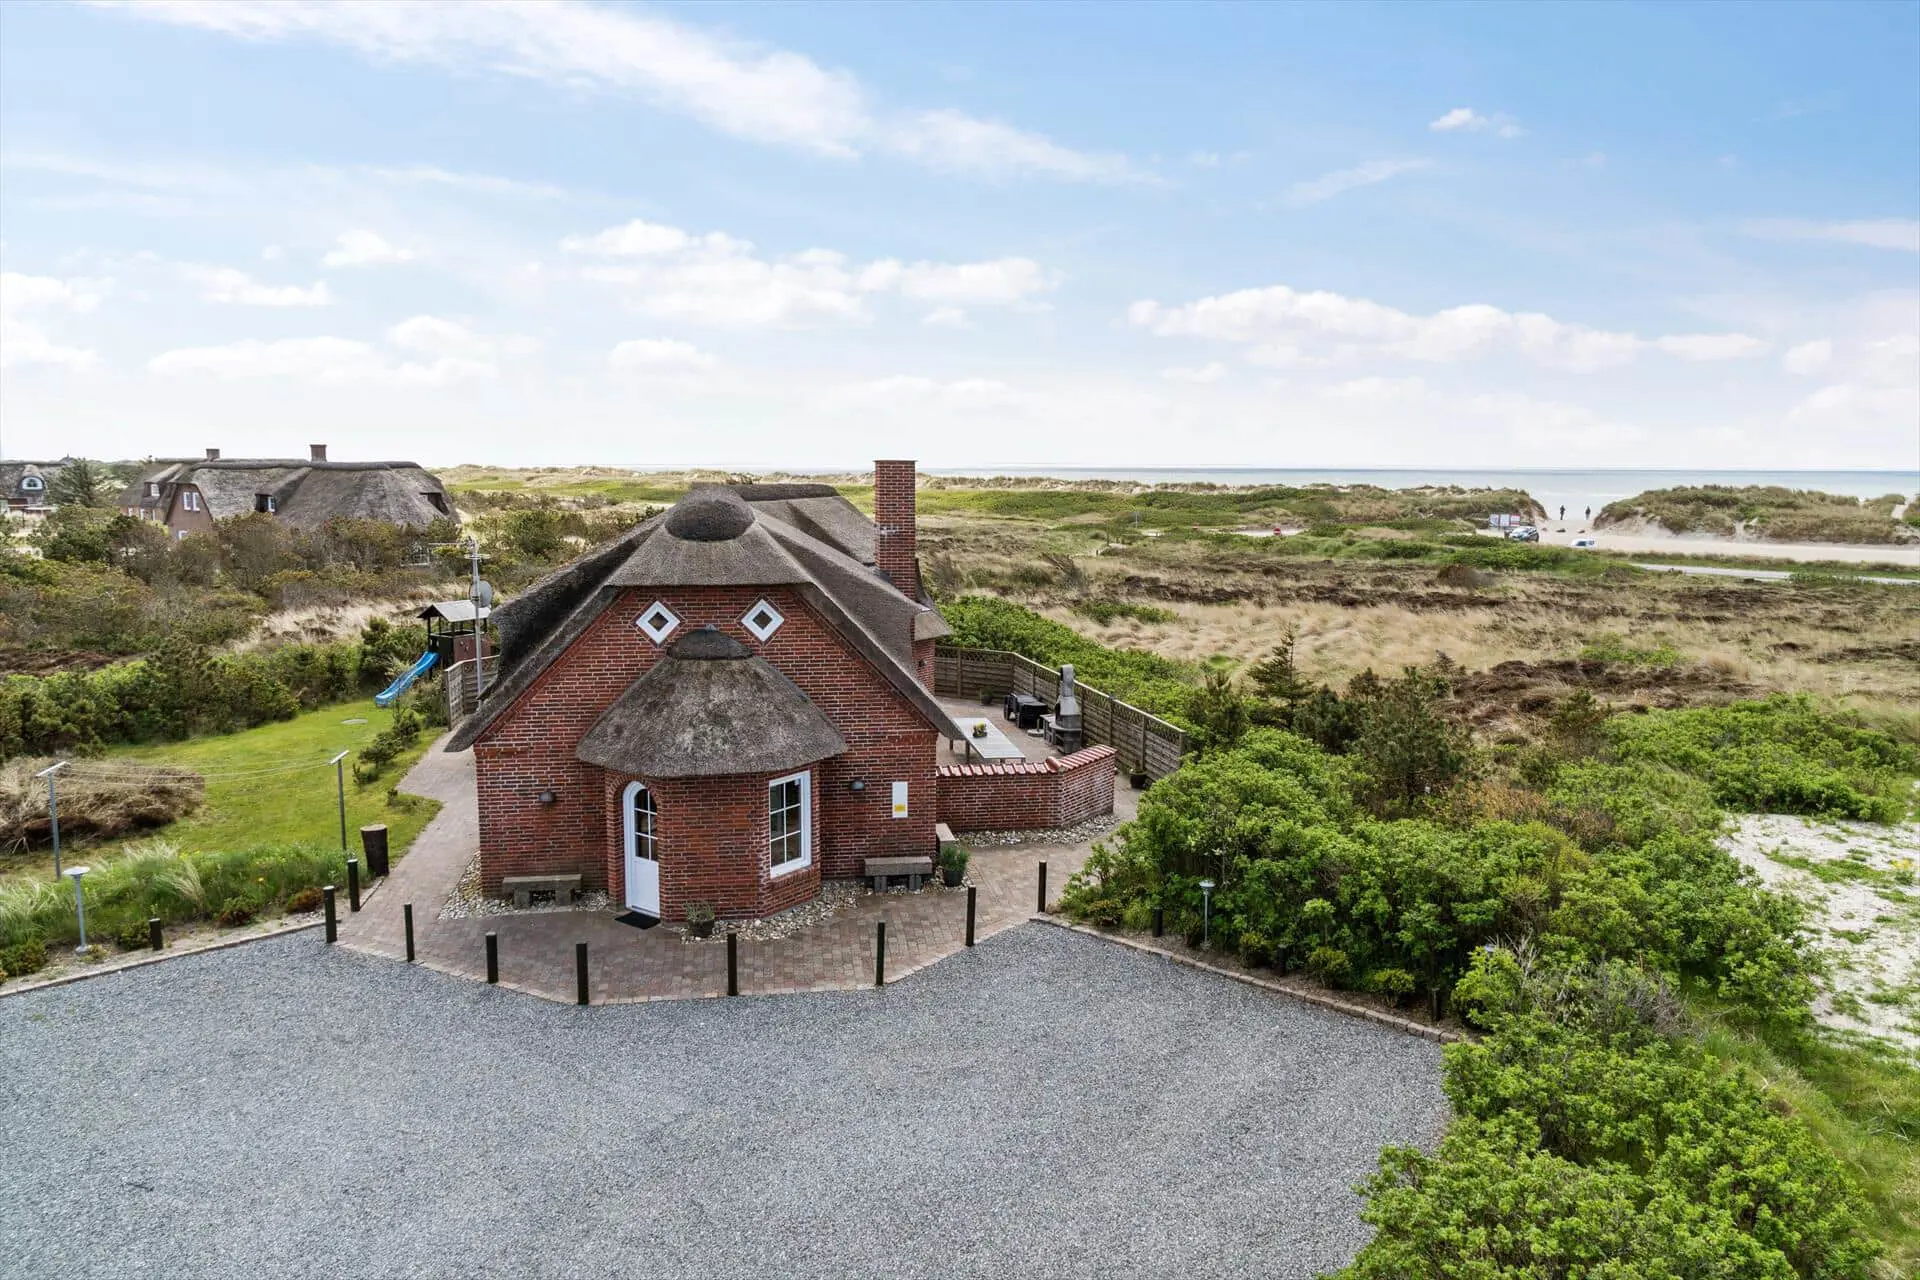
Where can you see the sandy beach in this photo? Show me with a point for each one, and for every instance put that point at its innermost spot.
(1563, 534)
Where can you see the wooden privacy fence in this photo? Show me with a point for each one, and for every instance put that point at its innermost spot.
(463, 681)
(1144, 743)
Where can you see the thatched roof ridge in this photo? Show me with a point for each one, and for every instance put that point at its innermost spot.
(306, 494)
(863, 608)
(709, 708)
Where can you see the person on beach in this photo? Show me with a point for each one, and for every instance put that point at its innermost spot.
(1563, 511)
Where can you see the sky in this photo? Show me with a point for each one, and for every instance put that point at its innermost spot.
(761, 236)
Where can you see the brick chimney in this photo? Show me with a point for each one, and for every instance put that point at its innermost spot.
(317, 452)
(213, 455)
(895, 545)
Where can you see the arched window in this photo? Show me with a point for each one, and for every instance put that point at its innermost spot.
(643, 820)
(32, 484)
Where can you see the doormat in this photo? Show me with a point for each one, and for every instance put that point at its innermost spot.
(637, 920)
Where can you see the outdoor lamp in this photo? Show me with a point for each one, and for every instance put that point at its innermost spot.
(548, 797)
(79, 906)
(1206, 912)
(858, 784)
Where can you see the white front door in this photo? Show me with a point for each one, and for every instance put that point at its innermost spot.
(643, 851)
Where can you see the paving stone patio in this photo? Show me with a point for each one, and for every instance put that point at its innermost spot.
(628, 964)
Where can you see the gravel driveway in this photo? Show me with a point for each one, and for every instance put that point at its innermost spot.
(1044, 1105)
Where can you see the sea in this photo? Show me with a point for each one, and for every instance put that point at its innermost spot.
(1576, 490)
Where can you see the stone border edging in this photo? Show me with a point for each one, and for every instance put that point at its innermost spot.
(1424, 1030)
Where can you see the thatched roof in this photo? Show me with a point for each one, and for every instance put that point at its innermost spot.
(722, 536)
(306, 494)
(13, 477)
(708, 708)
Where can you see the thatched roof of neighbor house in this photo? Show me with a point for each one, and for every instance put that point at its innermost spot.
(306, 493)
(708, 708)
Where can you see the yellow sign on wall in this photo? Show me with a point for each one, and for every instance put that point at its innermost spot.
(899, 799)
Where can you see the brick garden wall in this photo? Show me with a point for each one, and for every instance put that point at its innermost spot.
(1034, 794)
(531, 747)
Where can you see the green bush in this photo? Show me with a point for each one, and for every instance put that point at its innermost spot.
(22, 958)
(1781, 755)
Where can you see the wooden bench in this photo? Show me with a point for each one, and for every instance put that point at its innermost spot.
(563, 888)
(879, 870)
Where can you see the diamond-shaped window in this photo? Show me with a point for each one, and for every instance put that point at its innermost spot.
(658, 622)
(763, 620)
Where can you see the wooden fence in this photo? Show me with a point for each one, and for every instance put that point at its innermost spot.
(1145, 743)
(462, 681)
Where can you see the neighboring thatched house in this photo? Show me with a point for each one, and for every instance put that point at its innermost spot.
(728, 704)
(188, 495)
(28, 486)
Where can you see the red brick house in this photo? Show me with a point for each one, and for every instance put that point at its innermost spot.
(727, 704)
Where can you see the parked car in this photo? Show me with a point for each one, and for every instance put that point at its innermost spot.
(1523, 533)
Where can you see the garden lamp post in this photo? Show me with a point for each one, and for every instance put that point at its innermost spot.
(51, 773)
(79, 906)
(340, 785)
(1206, 913)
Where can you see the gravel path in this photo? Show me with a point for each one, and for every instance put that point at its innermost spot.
(1044, 1105)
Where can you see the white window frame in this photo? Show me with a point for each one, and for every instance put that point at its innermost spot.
(805, 779)
(32, 484)
(153, 490)
(661, 626)
(747, 618)
(190, 500)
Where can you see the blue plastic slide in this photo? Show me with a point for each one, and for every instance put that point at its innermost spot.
(386, 697)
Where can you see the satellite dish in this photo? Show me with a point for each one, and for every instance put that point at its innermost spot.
(483, 594)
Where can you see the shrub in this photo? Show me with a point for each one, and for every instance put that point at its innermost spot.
(23, 958)
(132, 936)
(234, 912)
(304, 900)
(1397, 984)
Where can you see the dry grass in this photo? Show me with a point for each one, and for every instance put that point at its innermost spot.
(98, 800)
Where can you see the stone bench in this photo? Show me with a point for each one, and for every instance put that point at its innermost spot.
(879, 869)
(563, 888)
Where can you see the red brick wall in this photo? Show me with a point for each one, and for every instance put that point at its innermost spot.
(531, 747)
(895, 542)
(713, 846)
(1012, 797)
(923, 662)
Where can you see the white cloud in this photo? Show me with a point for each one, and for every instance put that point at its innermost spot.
(946, 318)
(1808, 357)
(909, 391)
(25, 342)
(1461, 118)
(1875, 233)
(332, 361)
(714, 278)
(1212, 371)
(231, 285)
(1328, 185)
(1286, 327)
(745, 90)
(433, 336)
(1001, 282)
(362, 248)
(959, 143)
(661, 354)
(1711, 346)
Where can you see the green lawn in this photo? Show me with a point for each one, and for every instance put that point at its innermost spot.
(272, 785)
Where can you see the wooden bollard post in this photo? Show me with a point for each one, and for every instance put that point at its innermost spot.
(333, 920)
(493, 958)
(880, 955)
(1043, 888)
(733, 962)
(1159, 920)
(972, 893)
(154, 938)
(580, 972)
(1435, 995)
(406, 914)
(353, 884)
